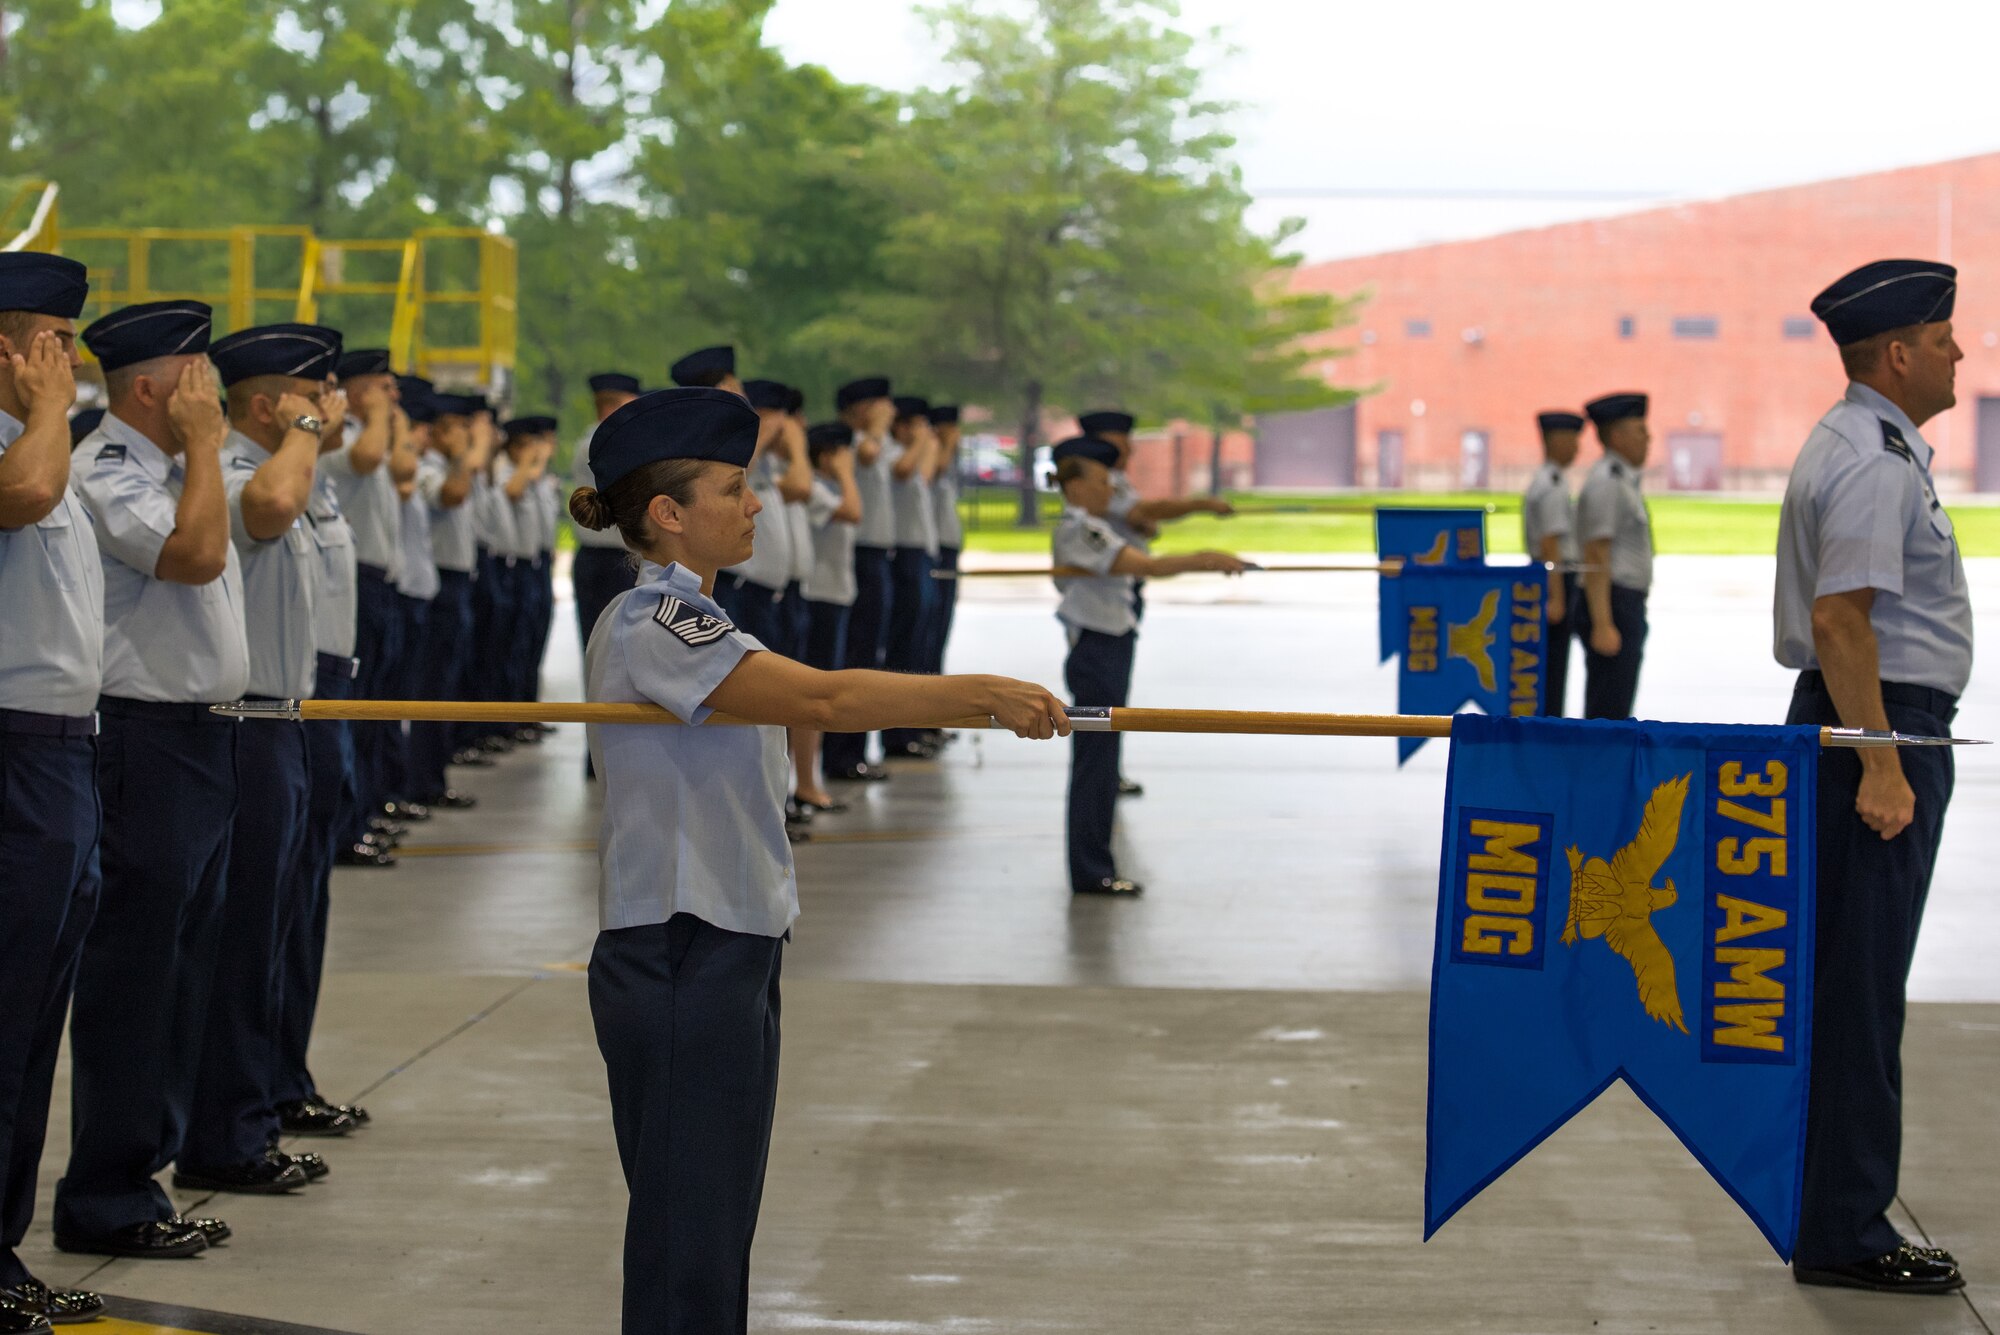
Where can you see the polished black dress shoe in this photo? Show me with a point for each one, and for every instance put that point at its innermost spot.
(474, 757)
(364, 855)
(910, 751)
(1127, 788)
(497, 745)
(212, 1229)
(862, 772)
(797, 834)
(387, 829)
(59, 1307)
(354, 1110)
(529, 735)
(155, 1240)
(797, 812)
(310, 1117)
(1908, 1269)
(450, 800)
(1110, 885)
(271, 1174)
(18, 1320)
(414, 813)
(312, 1165)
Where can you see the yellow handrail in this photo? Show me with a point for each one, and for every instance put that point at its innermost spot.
(39, 233)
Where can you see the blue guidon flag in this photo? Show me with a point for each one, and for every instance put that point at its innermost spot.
(1471, 635)
(1421, 539)
(1625, 901)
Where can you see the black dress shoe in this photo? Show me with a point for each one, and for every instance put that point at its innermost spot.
(1908, 1269)
(412, 812)
(387, 829)
(271, 1174)
(59, 1307)
(795, 834)
(797, 812)
(18, 1320)
(311, 1117)
(450, 800)
(354, 1110)
(1110, 885)
(531, 735)
(1127, 788)
(497, 745)
(860, 772)
(212, 1229)
(157, 1239)
(364, 855)
(830, 808)
(474, 757)
(314, 1166)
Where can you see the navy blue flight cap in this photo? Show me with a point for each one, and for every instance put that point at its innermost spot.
(1885, 295)
(614, 382)
(909, 405)
(767, 394)
(302, 351)
(860, 391)
(83, 424)
(1559, 421)
(151, 329)
(530, 426)
(42, 284)
(363, 361)
(944, 414)
(418, 397)
(703, 362)
(824, 436)
(460, 405)
(1615, 408)
(686, 423)
(1086, 447)
(1096, 424)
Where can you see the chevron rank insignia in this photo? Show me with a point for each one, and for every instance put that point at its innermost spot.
(694, 626)
(113, 453)
(1892, 439)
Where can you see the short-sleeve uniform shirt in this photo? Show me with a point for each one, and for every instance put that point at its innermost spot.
(694, 815)
(453, 546)
(1612, 506)
(1100, 601)
(163, 641)
(944, 505)
(1548, 511)
(369, 502)
(1861, 512)
(280, 578)
(910, 499)
(878, 507)
(1124, 499)
(419, 577)
(832, 577)
(337, 596)
(770, 563)
(52, 599)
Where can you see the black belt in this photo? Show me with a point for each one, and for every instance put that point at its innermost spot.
(19, 722)
(339, 665)
(1938, 704)
(159, 711)
(380, 574)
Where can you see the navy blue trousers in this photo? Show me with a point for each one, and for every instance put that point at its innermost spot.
(49, 823)
(826, 636)
(687, 1019)
(797, 622)
(447, 644)
(234, 1115)
(406, 683)
(167, 779)
(1611, 683)
(1870, 905)
(378, 643)
(908, 645)
(867, 633)
(1555, 684)
(1098, 672)
(756, 611)
(534, 603)
(944, 609)
(329, 793)
(597, 575)
(494, 614)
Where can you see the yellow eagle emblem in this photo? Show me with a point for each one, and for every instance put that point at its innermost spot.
(1473, 641)
(1617, 900)
(1435, 556)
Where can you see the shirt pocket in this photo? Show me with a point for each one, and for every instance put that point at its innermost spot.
(60, 545)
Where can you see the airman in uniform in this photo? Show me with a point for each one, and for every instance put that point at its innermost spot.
(1548, 530)
(1614, 531)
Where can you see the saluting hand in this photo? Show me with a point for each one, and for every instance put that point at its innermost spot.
(332, 413)
(43, 377)
(194, 410)
(1886, 803)
(1027, 710)
(291, 407)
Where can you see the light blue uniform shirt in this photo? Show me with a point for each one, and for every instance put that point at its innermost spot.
(1103, 601)
(832, 576)
(878, 507)
(1861, 513)
(770, 563)
(1546, 511)
(492, 515)
(694, 817)
(52, 596)
(1124, 496)
(280, 577)
(548, 496)
(163, 641)
(944, 505)
(916, 524)
(1612, 506)
(419, 578)
(453, 546)
(512, 522)
(337, 596)
(369, 502)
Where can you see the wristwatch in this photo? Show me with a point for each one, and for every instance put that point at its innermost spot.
(307, 422)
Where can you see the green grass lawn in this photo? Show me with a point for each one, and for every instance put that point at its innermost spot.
(1265, 523)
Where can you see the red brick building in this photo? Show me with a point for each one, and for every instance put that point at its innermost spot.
(1704, 306)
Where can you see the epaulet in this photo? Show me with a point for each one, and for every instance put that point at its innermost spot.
(690, 624)
(1892, 440)
(112, 452)
(242, 461)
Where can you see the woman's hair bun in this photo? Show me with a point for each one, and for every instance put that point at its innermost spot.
(588, 507)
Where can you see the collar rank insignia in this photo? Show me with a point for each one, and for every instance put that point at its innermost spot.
(1892, 440)
(694, 626)
(113, 453)
(1094, 538)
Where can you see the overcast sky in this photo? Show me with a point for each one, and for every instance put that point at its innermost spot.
(1570, 108)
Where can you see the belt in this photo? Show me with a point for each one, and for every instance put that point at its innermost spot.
(380, 574)
(159, 711)
(1938, 704)
(339, 665)
(19, 722)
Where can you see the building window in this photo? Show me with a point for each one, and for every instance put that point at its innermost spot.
(1695, 326)
(1626, 326)
(1417, 328)
(1800, 326)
